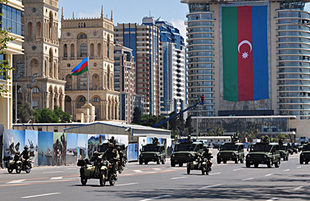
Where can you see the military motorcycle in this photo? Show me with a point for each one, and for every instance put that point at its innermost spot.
(199, 164)
(99, 169)
(17, 164)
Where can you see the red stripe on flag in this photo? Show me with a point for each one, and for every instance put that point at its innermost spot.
(245, 53)
(82, 67)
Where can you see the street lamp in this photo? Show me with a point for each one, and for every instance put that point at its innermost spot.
(32, 81)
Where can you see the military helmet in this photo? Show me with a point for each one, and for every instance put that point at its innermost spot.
(96, 153)
(26, 147)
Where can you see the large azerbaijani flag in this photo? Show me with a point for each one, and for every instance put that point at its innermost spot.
(81, 67)
(245, 53)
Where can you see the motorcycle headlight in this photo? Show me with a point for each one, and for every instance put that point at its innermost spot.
(105, 163)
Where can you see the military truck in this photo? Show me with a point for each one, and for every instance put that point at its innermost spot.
(153, 152)
(284, 152)
(185, 152)
(264, 153)
(231, 152)
(305, 154)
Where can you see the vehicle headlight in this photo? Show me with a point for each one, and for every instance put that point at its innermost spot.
(172, 155)
(219, 154)
(141, 155)
(190, 155)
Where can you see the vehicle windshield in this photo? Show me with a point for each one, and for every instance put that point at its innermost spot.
(185, 147)
(261, 148)
(283, 147)
(102, 147)
(306, 148)
(150, 148)
(229, 147)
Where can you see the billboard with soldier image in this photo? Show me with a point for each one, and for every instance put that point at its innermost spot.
(59, 148)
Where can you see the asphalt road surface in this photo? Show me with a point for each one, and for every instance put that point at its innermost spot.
(162, 182)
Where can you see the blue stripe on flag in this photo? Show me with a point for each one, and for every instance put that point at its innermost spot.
(80, 64)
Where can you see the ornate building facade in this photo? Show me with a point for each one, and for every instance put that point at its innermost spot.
(36, 72)
(93, 37)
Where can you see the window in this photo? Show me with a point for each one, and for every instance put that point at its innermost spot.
(11, 18)
(95, 99)
(35, 90)
(83, 50)
(82, 36)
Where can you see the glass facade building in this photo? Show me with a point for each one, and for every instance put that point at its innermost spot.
(11, 19)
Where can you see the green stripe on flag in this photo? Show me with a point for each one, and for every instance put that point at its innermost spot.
(230, 53)
(81, 72)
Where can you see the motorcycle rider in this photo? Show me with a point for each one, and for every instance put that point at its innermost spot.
(121, 155)
(189, 139)
(112, 140)
(110, 154)
(207, 154)
(25, 155)
(96, 161)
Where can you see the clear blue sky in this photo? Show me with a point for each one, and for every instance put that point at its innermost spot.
(125, 11)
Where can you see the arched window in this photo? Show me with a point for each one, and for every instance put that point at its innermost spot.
(29, 30)
(83, 50)
(82, 81)
(99, 50)
(51, 57)
(35, 90)
(38, 32)
(72, 50)
(65, 50)
(82, 36)
(95, 81)
(50, 25)
(96, 99)
(108, 47)
(34, 65)
(108, 78)
(69, 82)
(80, 101)
(92, 50)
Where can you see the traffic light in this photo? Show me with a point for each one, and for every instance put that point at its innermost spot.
(202, 98)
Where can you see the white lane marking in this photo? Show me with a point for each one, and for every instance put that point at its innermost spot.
(154, 198)
(215, 173)
(299, 167)
(205, 187)
(286, 170)
(247, 179)
(156, 168)
(51, 172)
(56, 178)
(272, 199)
(237, 169)
(137, 171)
(40, 195)
(267, 175)
(298, 188)
(16, 181)
(128, 184)
(178, 178)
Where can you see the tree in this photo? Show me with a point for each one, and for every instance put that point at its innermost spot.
(63, 116)
(173, 121)
(45, 116)
(24, 111)
(188, 124)
(136, 115)
(4, 65)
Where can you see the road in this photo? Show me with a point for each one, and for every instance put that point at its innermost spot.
(161, 182)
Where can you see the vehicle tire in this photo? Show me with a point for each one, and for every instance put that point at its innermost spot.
(301, 161)
(236, 160)
(218, 161)
(256, 165)
(241, 160)
(277, 165)
(102, 180)
(269, 164)
(83, 181)
(181, 164)
(306, 162)
(247, 164)
(158, 162)
(172, 164)
(163, 161)
(18, 170)
(203, 171)
(28, 170)
(10, 170)
(140, 162)
(287, 157)
(146, 162)
(188, 170)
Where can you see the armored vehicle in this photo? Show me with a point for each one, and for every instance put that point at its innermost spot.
(153, 152)
(284, 152)
(305, 154)
(185, 152)
(264, 153)
(231, 152)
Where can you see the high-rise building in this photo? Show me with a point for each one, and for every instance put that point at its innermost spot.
(286, 55)
(144, 41)
(172, 68)
(36, 71)
(93, 37)
(11, 18)
(125, 80)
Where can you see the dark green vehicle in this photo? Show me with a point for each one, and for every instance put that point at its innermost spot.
(284, 152)
(305, 154)
(264, 153)
(231, 152)
(185, 152)
(153, 152)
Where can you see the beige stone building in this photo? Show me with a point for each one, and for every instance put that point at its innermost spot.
(36, 71)
(93, 37)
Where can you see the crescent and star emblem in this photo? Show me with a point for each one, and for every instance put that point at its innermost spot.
(245, 54)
